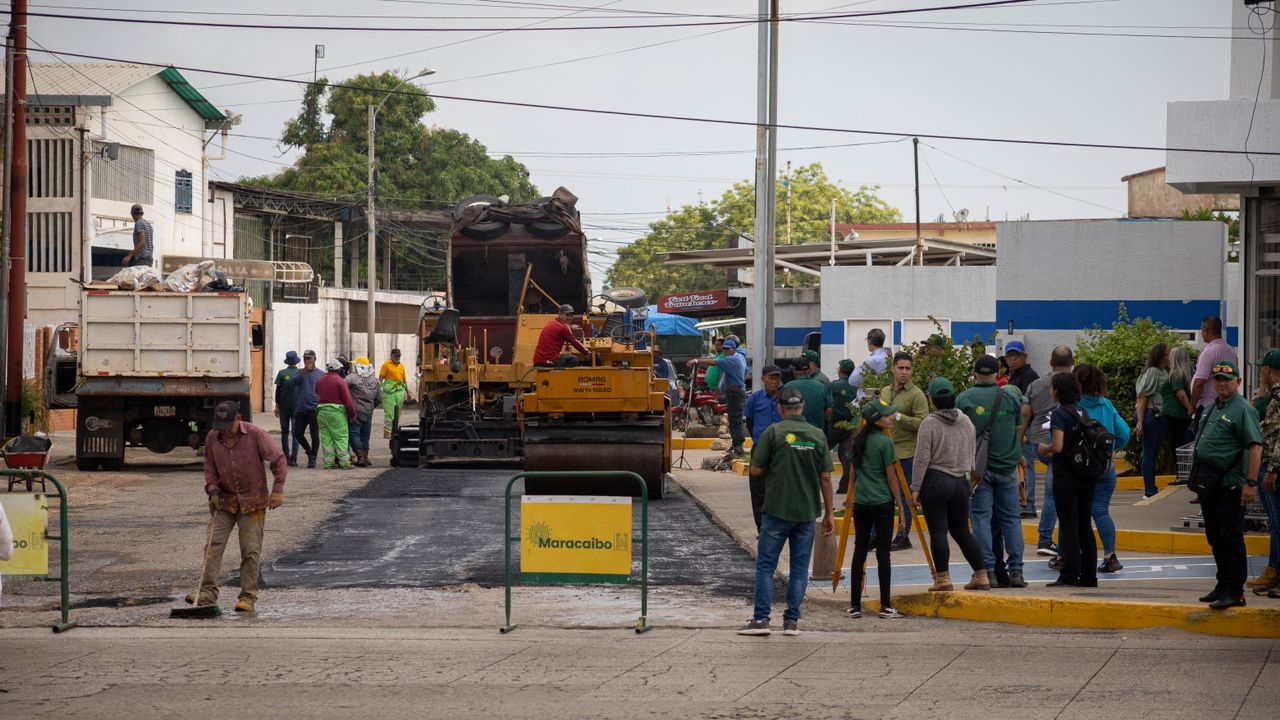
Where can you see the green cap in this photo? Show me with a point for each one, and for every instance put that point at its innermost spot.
(1271, 359)
(1225, 369)
(877, 409)
(936, 340)
(846, 366)
(813, 356)
(941, 387)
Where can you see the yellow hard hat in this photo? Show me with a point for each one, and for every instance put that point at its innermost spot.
(362, 360)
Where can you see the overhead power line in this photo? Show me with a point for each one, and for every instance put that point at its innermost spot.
(686, 118)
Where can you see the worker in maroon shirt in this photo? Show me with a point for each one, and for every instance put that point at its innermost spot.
(335, 410)
(552, 341)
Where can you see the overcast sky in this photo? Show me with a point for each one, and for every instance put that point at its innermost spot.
(955, 77)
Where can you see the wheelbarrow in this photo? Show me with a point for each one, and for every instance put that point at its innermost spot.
(27, 452)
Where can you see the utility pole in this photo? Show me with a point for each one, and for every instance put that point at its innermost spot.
(760, 314)
(919, 251)
(832, 263)
(315, 65)
(371, 254)
(4, 234)
(17, 231)
(786, 186)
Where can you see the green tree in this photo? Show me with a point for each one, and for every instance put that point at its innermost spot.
(1120, 352)
(418, 166)
(710, 226)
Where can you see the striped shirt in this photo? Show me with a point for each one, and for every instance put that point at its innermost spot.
(143, 226)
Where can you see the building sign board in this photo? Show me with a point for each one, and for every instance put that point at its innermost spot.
(573, 539)
(699, 301)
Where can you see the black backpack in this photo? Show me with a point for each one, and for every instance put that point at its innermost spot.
(1088, 454)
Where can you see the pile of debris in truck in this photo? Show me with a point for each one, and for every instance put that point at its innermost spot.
(201, 276)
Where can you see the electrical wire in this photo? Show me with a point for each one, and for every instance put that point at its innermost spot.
(1023, 182)
(1257, 11)
(690, 118)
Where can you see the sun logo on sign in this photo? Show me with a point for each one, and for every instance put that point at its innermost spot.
(539, 531)
(980, 410)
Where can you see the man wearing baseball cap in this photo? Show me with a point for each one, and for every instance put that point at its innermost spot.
(552, 339)
(733, 382)
(759, 413)
(815, 368)
(1228, 456)
(793, 460)
(306, 415)
(995, 497)
(236, 485)
(143, 240)
(817, 400)
(287, 405)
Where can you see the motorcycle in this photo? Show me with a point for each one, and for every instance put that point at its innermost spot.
(700, 402)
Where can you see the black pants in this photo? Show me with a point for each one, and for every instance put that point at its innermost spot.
(1073, 497)
(302, 420)
(1177, 435)
(756, 483)
(735, 399)
(1224, 528)
(866, 517)
(836, 438)
(945, 499)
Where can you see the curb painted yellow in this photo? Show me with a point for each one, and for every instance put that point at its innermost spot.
(1134, 482)
(1155, 541)
(1250, 622)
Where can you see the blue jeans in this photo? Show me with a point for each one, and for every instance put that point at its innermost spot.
(359, 431)
(1271, 503)
(1048, 509)
(773, 534)
(1154, 430)
(287, 437)
(1102, 493)
(997, 495)
(1029, 454)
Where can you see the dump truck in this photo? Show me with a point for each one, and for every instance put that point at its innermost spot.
(481, 396)
(153, 365)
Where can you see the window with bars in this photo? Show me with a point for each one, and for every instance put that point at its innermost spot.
(129, 178)
(49, 242)
(182, 192)
(52, 168)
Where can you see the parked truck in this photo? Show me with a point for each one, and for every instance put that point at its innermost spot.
(153, 365)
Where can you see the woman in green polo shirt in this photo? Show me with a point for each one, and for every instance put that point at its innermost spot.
(874, 498)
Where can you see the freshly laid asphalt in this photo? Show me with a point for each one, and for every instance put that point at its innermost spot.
(444, 527)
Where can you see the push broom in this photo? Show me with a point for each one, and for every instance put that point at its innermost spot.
(196, 611)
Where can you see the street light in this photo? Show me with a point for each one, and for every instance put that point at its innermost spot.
(370, 210)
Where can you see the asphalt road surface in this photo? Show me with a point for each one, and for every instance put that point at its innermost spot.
(444, 527)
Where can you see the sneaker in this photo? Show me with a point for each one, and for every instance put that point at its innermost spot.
(790, 627)
(1110, 564)
(292, 462)
(738, 451)
(1179, 481)
(1029, 513)
(1047, 549)
(756, 627)
(1055, 563)
(900, 543)
(890, 614)
(854, 612)
(311, 461)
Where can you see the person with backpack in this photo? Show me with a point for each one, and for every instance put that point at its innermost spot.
(1073, 485)
(996, 414)
(1224, 475)
(1093, 388)
(876, 494)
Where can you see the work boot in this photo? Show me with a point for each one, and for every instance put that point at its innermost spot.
(244, 605)
(1016, 580)
(293, 461)
(1264, 580)
(311, 461)
(942, 583)
(901, 542)
(979, 581)
(191, 599)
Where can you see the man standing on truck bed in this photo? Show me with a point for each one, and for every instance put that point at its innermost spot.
(237, 488)
(335, 408)
(304, 417)
(143, 240)
(554, 335)
(392, 376)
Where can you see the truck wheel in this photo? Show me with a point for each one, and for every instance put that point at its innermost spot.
(112, 464)
(86, 464)
(548, 229)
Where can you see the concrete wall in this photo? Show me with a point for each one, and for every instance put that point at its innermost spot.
(964, 295)
(1059, 277)
(1151, 197)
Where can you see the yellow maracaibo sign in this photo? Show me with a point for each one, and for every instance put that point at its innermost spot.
(29, 519)
(571, 539)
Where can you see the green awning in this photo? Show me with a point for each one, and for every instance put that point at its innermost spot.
(192, 96)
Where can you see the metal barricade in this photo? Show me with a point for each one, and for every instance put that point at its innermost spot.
(64, 552)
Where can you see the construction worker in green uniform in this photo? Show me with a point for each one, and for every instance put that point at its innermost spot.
(817, 401)
(843, 398)
(392, 376)
(336, 408)
(815, 369)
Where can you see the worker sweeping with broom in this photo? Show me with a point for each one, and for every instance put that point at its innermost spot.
(236, 483)
(875, 498)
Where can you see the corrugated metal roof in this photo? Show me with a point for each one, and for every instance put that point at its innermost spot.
(110, 79)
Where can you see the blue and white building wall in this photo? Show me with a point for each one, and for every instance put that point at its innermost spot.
(900, 301)
(1057, 278)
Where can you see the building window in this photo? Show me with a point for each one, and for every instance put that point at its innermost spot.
(49, 245)
(182, 192)
(129, 178)
(51, 163)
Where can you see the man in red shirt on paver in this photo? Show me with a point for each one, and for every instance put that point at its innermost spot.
(236, 485)
(552, 340)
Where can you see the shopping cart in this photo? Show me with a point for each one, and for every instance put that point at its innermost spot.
(1255, 516)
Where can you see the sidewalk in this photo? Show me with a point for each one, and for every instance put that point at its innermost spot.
(1156, 588)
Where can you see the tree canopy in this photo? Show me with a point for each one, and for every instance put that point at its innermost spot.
(418, 166)
(710, 226)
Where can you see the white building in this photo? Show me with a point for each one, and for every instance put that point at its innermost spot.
(129, 134)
